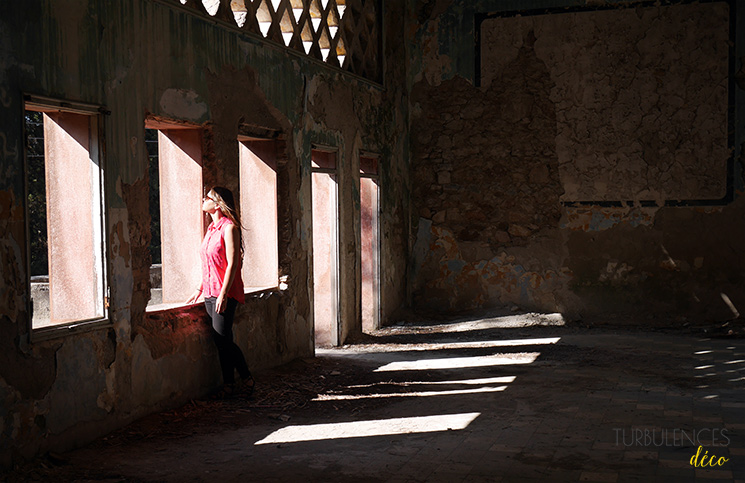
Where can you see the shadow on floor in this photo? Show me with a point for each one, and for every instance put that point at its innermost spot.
(488, 399)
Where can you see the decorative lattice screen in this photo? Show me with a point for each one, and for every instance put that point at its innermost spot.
(342, 33)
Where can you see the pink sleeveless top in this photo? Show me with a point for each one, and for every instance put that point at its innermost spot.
(215, 262)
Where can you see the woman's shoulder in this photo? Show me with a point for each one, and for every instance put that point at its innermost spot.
(228, 223)
(223, 222)
(229, 227)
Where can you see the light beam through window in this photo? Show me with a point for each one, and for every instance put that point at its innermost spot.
(364, 429)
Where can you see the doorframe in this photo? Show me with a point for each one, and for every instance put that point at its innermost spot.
(335, 269)
(377, 248)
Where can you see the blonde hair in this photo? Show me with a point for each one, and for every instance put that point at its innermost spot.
(225, 202)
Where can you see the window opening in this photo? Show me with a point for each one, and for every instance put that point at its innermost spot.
(151, 144)
(315, 15)
(176, 219)
(37, 197)
(240, 12)
(307, 38)
(264, 17)
(211, 6)
(258, 210)
(288, 28)
(341, 6)
(156, 280)
(297, 10)
(341, 52)
(333, 23)
(65, 217)
(323, 42)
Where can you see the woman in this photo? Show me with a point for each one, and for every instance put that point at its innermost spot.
(222, 286)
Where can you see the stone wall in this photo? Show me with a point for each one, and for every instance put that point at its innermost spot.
(625, 110)
(638, 115)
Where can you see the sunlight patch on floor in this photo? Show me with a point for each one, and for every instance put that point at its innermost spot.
(473, 382)
(378, 427)
(509, 322)
(454, 392)
(485, 344)
(459, 362)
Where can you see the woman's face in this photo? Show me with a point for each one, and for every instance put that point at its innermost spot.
(208, 203)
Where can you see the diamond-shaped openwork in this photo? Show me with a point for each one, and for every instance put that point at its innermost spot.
(343, 33)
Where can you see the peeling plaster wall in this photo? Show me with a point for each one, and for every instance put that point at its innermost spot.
(561, 114)
(143, 58)
(639, 115)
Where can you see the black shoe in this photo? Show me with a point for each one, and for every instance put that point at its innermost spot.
(227, 391)
(248, 385)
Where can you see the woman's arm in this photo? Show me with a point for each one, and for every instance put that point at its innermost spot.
(195, 296)
(233, 255)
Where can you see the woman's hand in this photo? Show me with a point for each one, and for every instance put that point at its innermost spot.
(220, 304)
(194, 297)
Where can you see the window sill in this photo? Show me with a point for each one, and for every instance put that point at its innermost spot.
(253, 292)
(64, 330)
(152, 309)
(258, 292)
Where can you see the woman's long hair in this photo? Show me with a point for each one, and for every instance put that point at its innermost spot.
(224, 200)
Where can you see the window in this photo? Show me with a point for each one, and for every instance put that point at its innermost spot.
(177, 222)
(65, 214)
(258, 209)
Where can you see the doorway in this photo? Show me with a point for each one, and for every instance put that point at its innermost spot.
(325, 248)
(370, 244)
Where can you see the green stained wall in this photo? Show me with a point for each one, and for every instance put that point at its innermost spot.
(139, 58)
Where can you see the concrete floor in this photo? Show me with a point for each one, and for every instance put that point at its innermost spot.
(519, 398)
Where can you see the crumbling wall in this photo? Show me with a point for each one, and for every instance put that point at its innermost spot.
(625, 110)
(640, 114)
(487, 177)
(395, 173)
(149, 59)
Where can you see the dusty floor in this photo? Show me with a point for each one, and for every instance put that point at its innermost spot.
(514, 398)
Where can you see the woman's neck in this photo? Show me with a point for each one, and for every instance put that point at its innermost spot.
(216, 216)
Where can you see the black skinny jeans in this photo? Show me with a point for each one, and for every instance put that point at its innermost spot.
(231, 357)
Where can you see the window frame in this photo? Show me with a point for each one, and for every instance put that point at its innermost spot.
(96, 115)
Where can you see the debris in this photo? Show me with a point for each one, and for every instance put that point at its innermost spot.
(56, 458)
